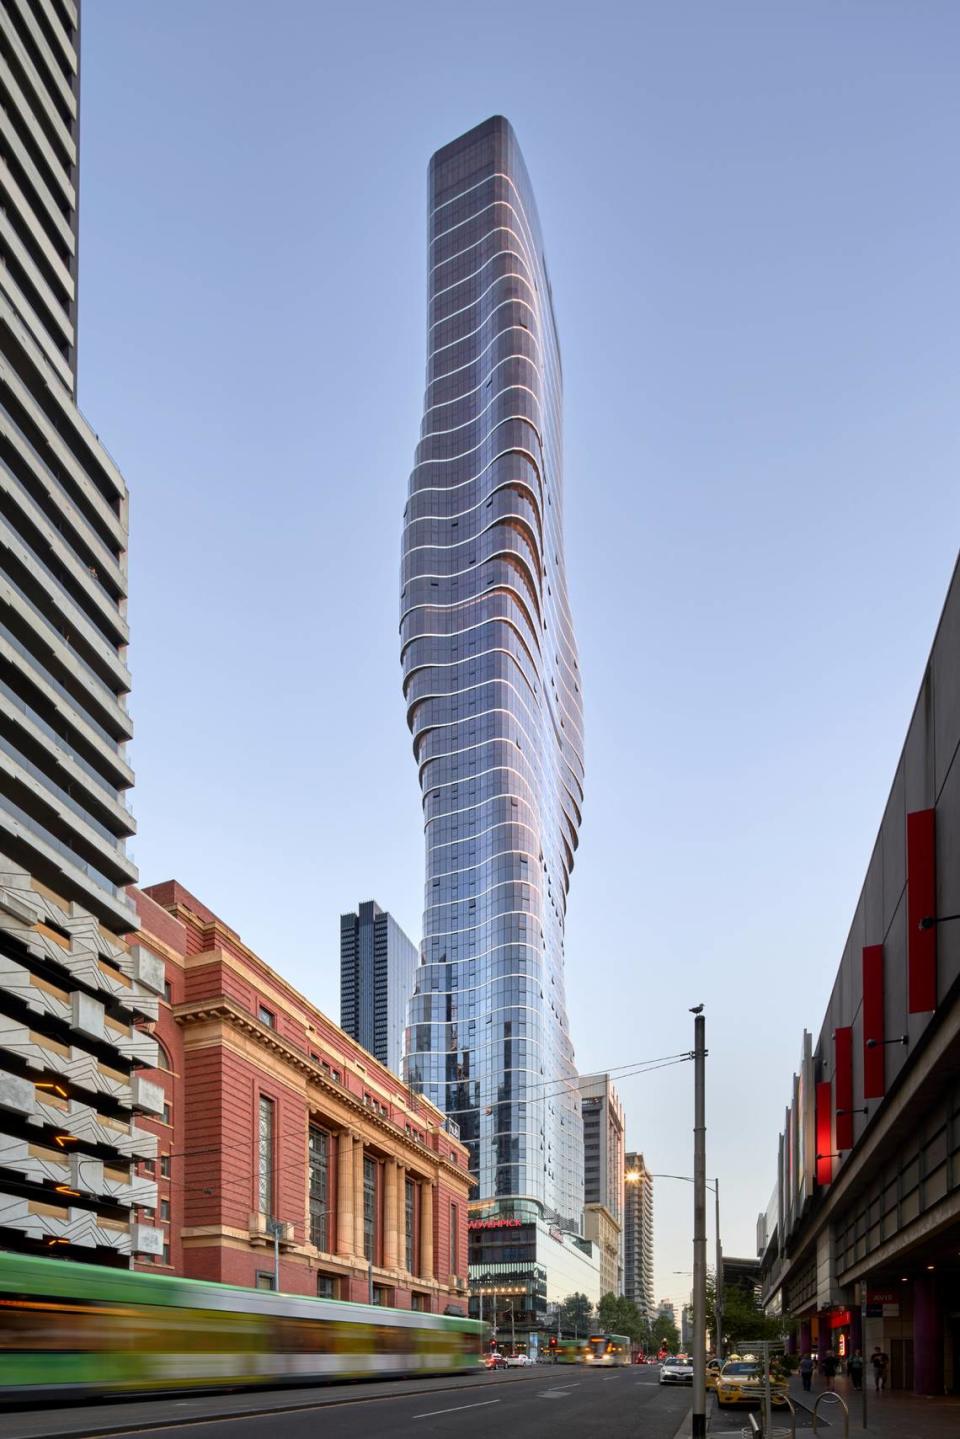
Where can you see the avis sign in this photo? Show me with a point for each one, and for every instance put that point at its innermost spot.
(883, 1304)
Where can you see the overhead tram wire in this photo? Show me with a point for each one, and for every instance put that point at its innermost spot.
(636, 1066)
(648, 1066)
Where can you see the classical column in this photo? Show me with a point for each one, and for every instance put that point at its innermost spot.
(358, 1195)
(426, 1229)
(391, 1258)
(345, 1202)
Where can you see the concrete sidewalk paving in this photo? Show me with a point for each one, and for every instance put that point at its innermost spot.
(891, 1414)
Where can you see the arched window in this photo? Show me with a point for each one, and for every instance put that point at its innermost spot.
(163, 1058)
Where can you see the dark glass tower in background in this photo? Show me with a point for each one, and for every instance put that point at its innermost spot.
(493, 691)
(377, 965)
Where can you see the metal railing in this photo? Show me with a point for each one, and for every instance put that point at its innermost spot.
(757, 1430)
(837, 1399)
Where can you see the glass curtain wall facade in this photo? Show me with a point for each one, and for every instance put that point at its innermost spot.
(377, 965)
(492, 687)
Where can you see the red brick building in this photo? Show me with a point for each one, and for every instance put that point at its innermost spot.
(274, 1114)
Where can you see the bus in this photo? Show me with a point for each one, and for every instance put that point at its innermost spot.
(608, 1349)
(77, 1330)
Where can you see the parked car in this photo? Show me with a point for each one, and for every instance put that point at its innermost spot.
(676, 1369)
(741, 1382)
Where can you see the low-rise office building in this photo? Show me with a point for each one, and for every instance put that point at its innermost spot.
(861, 1239)
(522, 1267)
(282, 1139)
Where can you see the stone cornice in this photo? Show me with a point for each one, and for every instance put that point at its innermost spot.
(224, 1010)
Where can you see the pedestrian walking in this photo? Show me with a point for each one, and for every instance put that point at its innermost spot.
(806, 1371)
(879, 1360)
(828, 1367)
(855, 1368)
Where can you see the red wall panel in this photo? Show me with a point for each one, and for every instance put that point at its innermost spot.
(874, 1083)
(825, 1132)
(921, 904)
(843, 1078)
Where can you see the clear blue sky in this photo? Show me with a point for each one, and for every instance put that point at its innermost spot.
(751, 220)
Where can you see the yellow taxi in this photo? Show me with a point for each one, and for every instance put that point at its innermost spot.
(740, 1381)
(712, 1373)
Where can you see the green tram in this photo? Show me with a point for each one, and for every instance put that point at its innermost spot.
(570, 1351)
(610, 1349)
(72, 1329)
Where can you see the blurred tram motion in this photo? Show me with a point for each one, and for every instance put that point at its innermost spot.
(612, 1349)
(71, 1329)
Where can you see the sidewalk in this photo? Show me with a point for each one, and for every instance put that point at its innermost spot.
(890, 1414)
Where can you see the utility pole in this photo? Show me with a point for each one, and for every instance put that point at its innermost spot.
(699, 1428)
(718, 1298)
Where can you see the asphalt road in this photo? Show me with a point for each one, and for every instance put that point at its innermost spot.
(550, 1402)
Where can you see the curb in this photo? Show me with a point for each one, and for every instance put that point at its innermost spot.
(686, 1425)
(139, 1426)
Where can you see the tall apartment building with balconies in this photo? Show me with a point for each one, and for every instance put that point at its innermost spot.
(71, 994)
(603, 1162)
(638, 1234)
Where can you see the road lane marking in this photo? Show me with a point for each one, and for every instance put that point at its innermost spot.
(431, 1412)
(241, 1416)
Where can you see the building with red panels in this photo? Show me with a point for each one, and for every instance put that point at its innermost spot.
(860, 1242)
(274, 1119)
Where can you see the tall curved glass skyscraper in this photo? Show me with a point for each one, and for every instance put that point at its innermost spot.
(493, 690)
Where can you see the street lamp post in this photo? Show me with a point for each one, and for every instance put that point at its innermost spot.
(503, 1290)
(633, 1178)
(275, 1229)
(718, 1283)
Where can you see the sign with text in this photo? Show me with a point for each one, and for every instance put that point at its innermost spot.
(883, 1304)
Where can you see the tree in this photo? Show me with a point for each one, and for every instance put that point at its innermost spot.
(742, 1316)
(576, 1315)
(664, 1333)
(618, 1315)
